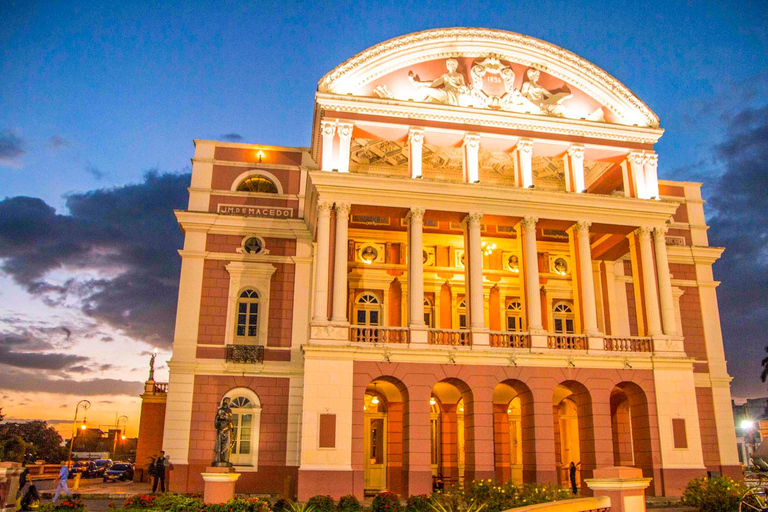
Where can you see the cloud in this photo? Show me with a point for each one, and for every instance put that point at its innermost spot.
(15, 350)
(57, 142)
(37, 382)
(120, 244)
(11, 147)
(94, 171)
(232, 137)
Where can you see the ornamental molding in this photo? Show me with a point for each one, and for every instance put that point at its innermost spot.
(411, 49)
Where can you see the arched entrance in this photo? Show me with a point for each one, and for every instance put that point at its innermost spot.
(449, 438)
(630, 428)
(383, 437)
(514, 457)
(574, 442)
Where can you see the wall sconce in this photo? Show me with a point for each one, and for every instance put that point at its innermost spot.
(260, 154)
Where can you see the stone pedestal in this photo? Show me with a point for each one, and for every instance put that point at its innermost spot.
(624, 485)
(9, 484)
(219, 484)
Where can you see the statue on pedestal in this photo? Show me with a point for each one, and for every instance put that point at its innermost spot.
(152, 366)
(224, 429)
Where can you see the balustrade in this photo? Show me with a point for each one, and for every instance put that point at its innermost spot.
(567, 341)
(245, 354)
(628, 344)
(160, 387)
(510, 339)
(450, 337)
(375, 334)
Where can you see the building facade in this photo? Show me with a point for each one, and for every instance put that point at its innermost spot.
(472, 272)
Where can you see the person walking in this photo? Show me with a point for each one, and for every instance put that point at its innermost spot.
(61, 485)
(157, 471)
(572, 476)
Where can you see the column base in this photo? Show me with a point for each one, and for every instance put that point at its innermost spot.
(539, 339)
(669, 346)
(328, 331)
(419, 334)
(219, 484)
(595, 341)
(625, 487)
(480, 337)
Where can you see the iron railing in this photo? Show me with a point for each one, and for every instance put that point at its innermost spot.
(245, 354)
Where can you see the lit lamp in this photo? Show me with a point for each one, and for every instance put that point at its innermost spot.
(260, 155)
(84, 405)
(749, 437)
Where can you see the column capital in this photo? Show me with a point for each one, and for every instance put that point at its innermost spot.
(343, 209)
(636, 157)
(659, 232)
(345, 129)
(471, 140)
(576, 151)
(327, 127)
(651, 159)
(416, 136)
(644, 231)
(583, 226)
(324, 208)
(524, 145)
(416, 214)
(529, 222)
(473, 218)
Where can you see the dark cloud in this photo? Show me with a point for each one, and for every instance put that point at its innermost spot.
(232, 137)
(127, 233)
(739, 223)
(79, 369)
(15, 351)
(11, 147)
(105, 367)
(94, 171)
(36, 382)
(57, 142)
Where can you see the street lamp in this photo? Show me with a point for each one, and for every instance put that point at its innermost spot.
(124, 419)
(84, 405)
(748, 427)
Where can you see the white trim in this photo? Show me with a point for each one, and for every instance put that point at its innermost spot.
(257, 172)
(249, 275)
(255, 423)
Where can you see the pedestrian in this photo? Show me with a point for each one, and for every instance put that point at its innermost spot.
(61, 485)
(31, 500)
(572, 475)
(157, 471)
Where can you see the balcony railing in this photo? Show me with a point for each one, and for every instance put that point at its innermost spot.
(628, 344)
(160, 387)
(368, 334)
(510, 339)
(245, 354)
(567, 341)
(456, 337)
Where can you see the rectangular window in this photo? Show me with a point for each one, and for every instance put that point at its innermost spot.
(374, 317)
(569, 326)
(327, 434)
(462, 321)
(558, 325)
(678, 433)
(360, 317)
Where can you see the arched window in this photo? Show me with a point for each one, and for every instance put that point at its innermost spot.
(429, 313)
(462, 310)
(367, 310)
(257, 184)
(562, 313)
(515, 316)
(246, 418)
(248, 316)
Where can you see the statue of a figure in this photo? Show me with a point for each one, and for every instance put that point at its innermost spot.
(224, 428)
(548, 101)
(445, 89)
(152, 366)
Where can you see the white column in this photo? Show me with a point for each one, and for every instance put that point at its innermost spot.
(649, 282)
(415, 143)
(651, 178)
(532, 291)
(574, 168)
(328, 129)
(340, 264)
(665, 282)
(586, 279)
(320, 314)
(633, 175)
(345, 136)
(524, 149)
(474, 253)
(622, 306)
(416, 268)
(471, 147)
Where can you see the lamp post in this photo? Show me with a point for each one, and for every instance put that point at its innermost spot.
(124, 419)
(84, 405)
(747, 427)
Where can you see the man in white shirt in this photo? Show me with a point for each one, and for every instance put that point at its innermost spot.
(62, 482)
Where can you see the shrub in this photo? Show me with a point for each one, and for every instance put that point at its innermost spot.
(720, 494)
(322, 503)
(418, 503)
(485, 495)
(240, 505)
(170, 502)
(386, 502)
(140, 501)
(348, 503)
(282, 505)
(69, 504)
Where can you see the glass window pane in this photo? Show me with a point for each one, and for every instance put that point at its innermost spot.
(569, 326)
(241, 330)
(360, 317)
(374, 317)
(241, 319)
(246, 420)
(252, 330)
(558, 325)
(252, 319)
(241, 307)
(462, 321)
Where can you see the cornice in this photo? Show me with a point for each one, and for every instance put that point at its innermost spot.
(487, 118)
(696, 254)
(433, 44)
(209, 222)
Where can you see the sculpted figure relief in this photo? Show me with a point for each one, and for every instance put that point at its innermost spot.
(547, 101)
(224, 427)
(445, 89)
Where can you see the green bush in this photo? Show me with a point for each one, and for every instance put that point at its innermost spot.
(348, 503)
(282, 505)
(720, 494)
(322, 503)
(170, 502)
(65, 505)
(140, 501)
(417, 503)
(240, 505)
(485, 495)
(386, 502)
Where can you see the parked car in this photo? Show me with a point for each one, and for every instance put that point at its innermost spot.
(86, 468)
(119, 471)
(102, 465)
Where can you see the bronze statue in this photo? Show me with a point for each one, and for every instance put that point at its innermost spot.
(152, 366)
(224, 428)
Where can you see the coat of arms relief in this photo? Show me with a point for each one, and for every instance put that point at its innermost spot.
(491, 85)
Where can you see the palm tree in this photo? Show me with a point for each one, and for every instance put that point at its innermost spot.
(764, 362)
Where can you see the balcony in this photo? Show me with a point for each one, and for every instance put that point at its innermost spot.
(628, 344)
(450, 337)
(372, 334)
(510, 339)
(245, 354)
(567, 341)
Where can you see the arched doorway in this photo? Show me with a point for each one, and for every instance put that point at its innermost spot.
(514, 457)
(630, 428)
(574, 442)
(383, 405)
(449, 442)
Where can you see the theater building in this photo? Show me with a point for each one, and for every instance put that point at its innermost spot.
(473, 271)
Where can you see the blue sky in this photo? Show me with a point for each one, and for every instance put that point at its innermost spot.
(95, 94)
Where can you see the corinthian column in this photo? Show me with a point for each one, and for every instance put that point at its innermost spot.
(532, 292)
(649, 282)
(416, 268)
(320, 314)
(586, 279)
(415, 143)
(340, 265)
(475, 261)
(574, 168)
(666, 297)
(345, 138)
(328, 129)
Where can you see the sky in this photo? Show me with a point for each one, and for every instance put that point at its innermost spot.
(100, 103)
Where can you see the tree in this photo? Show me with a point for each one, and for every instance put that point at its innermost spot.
(13, 448)
(43, 441)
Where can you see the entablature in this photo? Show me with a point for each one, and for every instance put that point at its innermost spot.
(214, 223)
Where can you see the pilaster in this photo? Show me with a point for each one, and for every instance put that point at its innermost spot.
(328, 129)
(416, 144)
(471, 147)
(345, 138)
